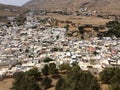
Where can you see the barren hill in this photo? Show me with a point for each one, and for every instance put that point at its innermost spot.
(109, 6)
(9, 11)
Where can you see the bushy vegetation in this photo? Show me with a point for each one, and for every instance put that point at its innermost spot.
(46, 83)
(77, 79)
(111, 76)
(47, 60)
(30, 80)
(26, 81)
(65, 67)
(45, 70)
(50, 69)
(33, 73)
(73, 79)
(81, 29)
(113, 28)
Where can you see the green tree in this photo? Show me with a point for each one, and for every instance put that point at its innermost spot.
(18, 77)
(65, 66)
(107, 74)
(76, 68)
(46, 83)
(114, 28)
(81, 29)
(33, 73)
(47, 59)
(22, 82)
(61, 84)
(53, 69)
(115, 87)
(29, 84)
(79, 80)
(45, 70)
(111, 76)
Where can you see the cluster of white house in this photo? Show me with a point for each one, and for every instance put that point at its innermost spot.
(32, 42)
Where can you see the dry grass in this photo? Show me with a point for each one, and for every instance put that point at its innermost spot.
(105, 6)
(105, 87)
(6, 13)
(78, 19)
(6, 84)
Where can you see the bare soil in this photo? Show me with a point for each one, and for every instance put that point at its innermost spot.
(6, 84)
(93, 20)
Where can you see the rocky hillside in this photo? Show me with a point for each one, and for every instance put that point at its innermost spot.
(10, 11)
(107, 6)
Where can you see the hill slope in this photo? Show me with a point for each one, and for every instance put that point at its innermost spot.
(9, 11)
(110, 6)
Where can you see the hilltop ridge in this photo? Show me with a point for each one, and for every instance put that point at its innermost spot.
(105, 6)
